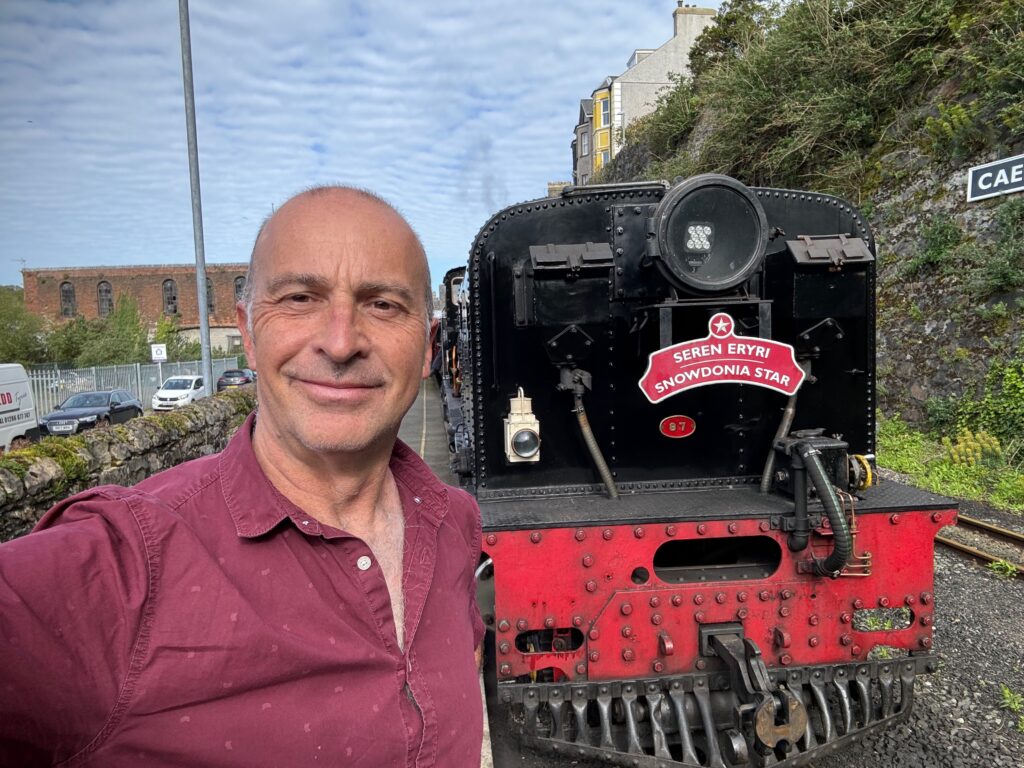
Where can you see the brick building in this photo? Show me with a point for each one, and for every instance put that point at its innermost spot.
(60, 293)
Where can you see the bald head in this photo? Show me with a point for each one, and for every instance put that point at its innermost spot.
(329, 201)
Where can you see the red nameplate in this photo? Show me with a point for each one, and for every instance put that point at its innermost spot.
(721, 357)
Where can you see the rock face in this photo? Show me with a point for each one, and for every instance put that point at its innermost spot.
(935, 337)
(123, 455)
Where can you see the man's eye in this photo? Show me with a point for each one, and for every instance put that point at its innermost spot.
(383, 305)
(298, 298)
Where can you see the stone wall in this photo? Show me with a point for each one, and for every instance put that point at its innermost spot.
(935, 340)
(34, 479)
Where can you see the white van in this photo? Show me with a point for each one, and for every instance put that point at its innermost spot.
(18, 425)
(178, 391)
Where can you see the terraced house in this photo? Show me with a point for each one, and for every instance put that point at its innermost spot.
(621, 99)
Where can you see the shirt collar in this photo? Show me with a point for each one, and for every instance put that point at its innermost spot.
(256, 506)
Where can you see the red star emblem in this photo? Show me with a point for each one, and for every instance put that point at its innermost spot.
(721, 325)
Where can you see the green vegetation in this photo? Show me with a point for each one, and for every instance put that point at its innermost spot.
(1003, 568)
(1012, 702)
(954, 132)
(968, 468)
(999, 267)
(973, 449)
(68, 452)
(22, 339)
(941, 236)
(178, 348)
(244, 402)
(812, 93)
(999, 406)
(119, 338)
(881, 619)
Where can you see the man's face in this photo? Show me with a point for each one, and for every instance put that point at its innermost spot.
(339, 332)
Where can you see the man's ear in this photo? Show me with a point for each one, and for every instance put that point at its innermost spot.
(428, 357)
(242, 321)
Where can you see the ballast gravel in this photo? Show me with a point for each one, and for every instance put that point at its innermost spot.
(979, 636)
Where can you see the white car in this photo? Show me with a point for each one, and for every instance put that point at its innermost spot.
(178, 391)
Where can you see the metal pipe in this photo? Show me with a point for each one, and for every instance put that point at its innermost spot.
(801, 524)
(197, 205)
(481, 568)
(595, 451)
(784, 426)
(787, 421)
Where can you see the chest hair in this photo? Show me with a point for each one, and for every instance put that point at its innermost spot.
(387, 542)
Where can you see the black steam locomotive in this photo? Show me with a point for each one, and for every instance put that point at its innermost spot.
(663, 397)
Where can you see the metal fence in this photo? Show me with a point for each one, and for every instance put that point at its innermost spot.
(52, 386)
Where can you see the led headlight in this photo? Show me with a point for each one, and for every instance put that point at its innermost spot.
(711, 233)
(87, 419)
(522, 431)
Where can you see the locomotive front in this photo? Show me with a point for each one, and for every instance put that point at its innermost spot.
(666, 409)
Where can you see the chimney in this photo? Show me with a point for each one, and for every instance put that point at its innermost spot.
(690, 21)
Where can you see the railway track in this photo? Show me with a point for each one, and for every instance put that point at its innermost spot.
(981, 534)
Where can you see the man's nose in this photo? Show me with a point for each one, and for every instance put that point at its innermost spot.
(342, 335)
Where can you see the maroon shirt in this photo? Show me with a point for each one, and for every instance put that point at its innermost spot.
(200, 618)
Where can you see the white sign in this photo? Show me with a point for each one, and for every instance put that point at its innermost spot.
(997, 178)
(159, 352)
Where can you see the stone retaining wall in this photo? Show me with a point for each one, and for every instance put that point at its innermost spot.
(34, 479)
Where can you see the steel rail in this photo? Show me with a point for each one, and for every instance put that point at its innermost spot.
(971, 522)
(994, 530)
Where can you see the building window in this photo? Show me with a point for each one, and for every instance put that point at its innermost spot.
(209, 296)
(584, 144)
(586, 179)
(67, 300)
(239, 288)
(104, 298)
(234, 344)
(606, 156)
(170, 297)
(605, 103)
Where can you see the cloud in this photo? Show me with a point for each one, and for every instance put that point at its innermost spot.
(450, 110)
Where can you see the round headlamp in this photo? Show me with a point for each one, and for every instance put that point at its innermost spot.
(711, 233)
(525, 443)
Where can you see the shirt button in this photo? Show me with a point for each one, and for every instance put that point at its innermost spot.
(363, 563)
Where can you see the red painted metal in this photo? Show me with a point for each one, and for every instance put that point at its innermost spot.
(677, 426)
(563, 579)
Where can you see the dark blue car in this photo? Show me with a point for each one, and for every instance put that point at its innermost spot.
(85, 410)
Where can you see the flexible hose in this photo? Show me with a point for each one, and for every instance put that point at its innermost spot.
(842, 543)
(595, 450)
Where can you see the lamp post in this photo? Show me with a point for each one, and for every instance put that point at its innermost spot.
(197, 205)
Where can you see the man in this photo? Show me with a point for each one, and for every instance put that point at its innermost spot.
(305, 597)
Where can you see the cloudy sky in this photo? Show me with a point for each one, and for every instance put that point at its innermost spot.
(451, 109)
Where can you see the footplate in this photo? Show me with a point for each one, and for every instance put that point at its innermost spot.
(700, 720)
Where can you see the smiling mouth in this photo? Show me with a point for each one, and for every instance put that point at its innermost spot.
(334, 391)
